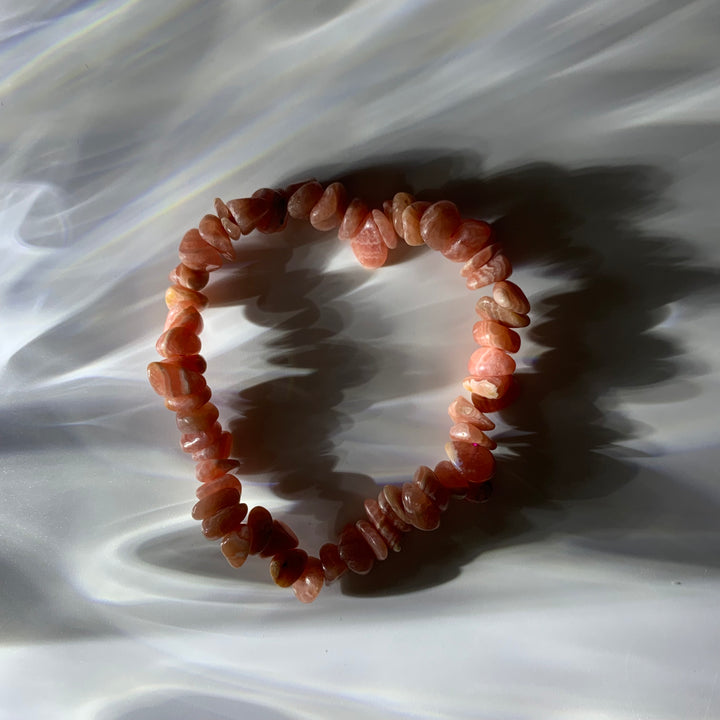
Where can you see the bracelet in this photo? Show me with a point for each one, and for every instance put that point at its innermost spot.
(418, 504)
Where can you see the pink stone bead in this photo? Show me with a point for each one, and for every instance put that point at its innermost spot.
(221, 209)
(464, 432)
(490, 405)
(169, 379)
(462, 410)
(192, 442)
(490, 361)
(186, 403)
(387, 529)
(288, 566)
(281, 538)
(208, 470)
(196, 363)
(428, 482)
(368, 245)
(329, 210)
(473, 462)
(488, 309)
(353, 219)
(219, 450)
(189, 278)
(494, 334)
(304, 199)
(196, 254)
(471, 237)
(276, 218)
(400, 201)
(178, 341)
(438, 224)
(233, 231)
(179, 296)
(308, 586)
(373, 538)
(355, 552)
(247, 212)
(509, 295)
(260, 522)
(214, 503)
(420, 509)
(184, 316)
(390, 501)
(235, 546)
(216, 484)
(291, 189)
(198, 420)
(492, 387)
(497, 268)
(411, 222)
(225, 521)
(479, 260)
(333, 565)
(213, 233)
(386, 229)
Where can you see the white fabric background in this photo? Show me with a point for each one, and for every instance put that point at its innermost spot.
(588, 588)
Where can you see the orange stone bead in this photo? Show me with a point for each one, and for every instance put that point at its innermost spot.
(488, 309)
(184, 316)
(473, 462)
(373, 538)
(497, 268)
(411, 222)
(428, 482)
(213, 233)
(385, 228)
(368, 245)
(223, 522)
(509, 295)
(189, 278)
(219, 450)
(471, 237)
(247, 212)
(170, 379)
(356, 553)
(304, 199)
(438, 224)
(333, 565)
(494, 334)
(353, 219)
(462, 410)
(308, 586)
(260, 522)
(287, 566)
(235, 546)
(489, 361)
(215, 502)
(276, 218)
(389, 532)
(420, 509)
(216, 484)
(490, 386)
(195, 441)
(400, 201)
(281, 538)
(196, 254)
(198, 420)
(178, 341)
(178, 296)
(464, 432)
(329, 210)
(207, 470)
(196, 363)
(186, 403)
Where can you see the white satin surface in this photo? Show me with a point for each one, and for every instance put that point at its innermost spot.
(588, 131)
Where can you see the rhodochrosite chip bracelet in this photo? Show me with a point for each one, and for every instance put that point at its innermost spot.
(372, 233)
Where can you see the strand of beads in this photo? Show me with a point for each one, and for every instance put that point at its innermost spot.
(372, 233)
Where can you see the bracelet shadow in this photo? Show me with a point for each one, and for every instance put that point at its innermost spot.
(565, 441)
